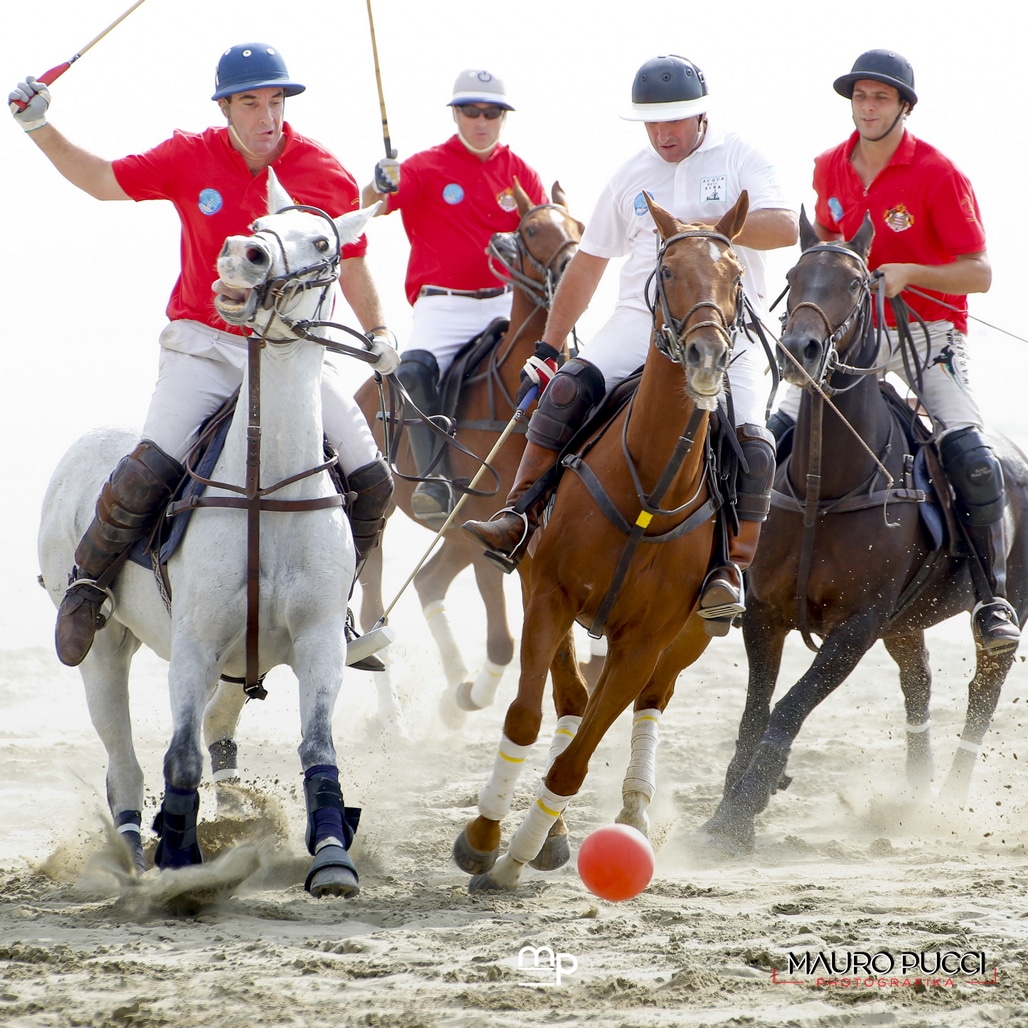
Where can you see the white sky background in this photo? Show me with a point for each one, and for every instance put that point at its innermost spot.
(85, 284)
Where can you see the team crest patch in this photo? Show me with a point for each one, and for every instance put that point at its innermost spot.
(210, 201)
(639, 204)
(506, 200)
(714, 189)
(898, 218)
(453, 193)
(835, 207)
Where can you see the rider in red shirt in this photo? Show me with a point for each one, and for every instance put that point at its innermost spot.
(928, 238)
(217, 181)
(453, 198)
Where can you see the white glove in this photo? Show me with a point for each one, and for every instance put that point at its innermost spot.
(388, 360)
(387, 175)
(33, 99)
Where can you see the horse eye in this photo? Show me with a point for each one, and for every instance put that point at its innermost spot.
(321, 245)
(665, 273)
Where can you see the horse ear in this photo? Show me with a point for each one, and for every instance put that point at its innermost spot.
(731, 224)
(522, 198)
(277, 196)
(667, 225)
(861, 242)
(808, 237)
(557, 195)
(351, 225)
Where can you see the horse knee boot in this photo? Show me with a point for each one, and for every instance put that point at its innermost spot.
(722, 599)
(977, 479)
(563, 408)
(129, 504)
(371, 491)
(418, 373)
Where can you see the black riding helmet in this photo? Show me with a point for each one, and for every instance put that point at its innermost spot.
(667, 88)
(880, 66)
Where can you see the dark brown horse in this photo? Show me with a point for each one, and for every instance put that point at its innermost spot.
(535, 257)
(854, 560)
(625, 552)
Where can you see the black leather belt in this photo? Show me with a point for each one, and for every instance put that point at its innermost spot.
(474, 294)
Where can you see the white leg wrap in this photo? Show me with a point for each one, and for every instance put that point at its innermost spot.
(531, 834)
(439, 625)
(483, 691)
(563, 733)
(641, 775)
(971, 747)
(495, 799)
(918, 729)
(598, 647)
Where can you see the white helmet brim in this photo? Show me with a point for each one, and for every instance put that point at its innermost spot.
(674, 110)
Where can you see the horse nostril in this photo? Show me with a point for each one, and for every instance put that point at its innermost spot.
(255, 255)
(811, 349)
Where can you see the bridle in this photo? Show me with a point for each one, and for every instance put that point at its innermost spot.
(508, 253)
(856, 321)
(672, 338)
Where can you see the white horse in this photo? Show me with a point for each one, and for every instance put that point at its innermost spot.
(279, 276)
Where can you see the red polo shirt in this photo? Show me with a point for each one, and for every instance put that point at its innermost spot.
(216, 196)
(923, 209)
(452, 203)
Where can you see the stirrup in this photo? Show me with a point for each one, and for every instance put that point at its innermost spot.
(505, 561)
(361, 649)
(106, 609)
(719, 617)
(1004, 633)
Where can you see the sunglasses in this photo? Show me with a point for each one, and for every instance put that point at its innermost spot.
(471, 111)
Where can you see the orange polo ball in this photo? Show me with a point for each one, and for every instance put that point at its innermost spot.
(616, 862)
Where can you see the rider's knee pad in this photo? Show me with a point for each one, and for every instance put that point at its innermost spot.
(975, 474)
(565, 403)
(417, 370)
(756, 472)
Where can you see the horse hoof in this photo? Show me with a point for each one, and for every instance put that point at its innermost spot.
(730, 831)
(556, 852)
(135, 847)
(332, 874)
(464, 700)
(467, 858)
(450, 712)
(485, 883)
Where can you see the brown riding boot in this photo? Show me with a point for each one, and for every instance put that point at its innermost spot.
(129, 503)
(505, 535)
(721, 600)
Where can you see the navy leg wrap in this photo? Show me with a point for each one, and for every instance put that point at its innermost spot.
(175, 825)
(326, 815)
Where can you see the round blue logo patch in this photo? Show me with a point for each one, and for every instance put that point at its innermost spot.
(453, 193)
(639, 205)
(210, 201)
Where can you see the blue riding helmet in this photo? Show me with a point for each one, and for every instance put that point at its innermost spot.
(252, 66)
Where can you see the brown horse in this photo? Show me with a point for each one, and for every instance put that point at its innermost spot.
(535, 256)
(625, 552)
(854, 561)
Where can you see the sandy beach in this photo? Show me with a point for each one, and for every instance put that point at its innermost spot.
(852, 870)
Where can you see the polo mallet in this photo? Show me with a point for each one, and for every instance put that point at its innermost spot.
(390, 152)
(49, 77)
(518, 415)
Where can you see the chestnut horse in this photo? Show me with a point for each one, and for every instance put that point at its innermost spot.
(625, 551)
(853, 562)
(534, 257)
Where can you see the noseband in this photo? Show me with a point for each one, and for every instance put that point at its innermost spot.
(280, 293)
(673, 336)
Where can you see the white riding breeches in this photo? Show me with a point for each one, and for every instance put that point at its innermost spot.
(621, 345)
(443, 324)
(201, 367)
(945, 388)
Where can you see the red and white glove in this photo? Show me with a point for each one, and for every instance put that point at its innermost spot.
(538, 371)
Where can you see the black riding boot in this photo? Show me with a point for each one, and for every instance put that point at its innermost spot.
(433, 498)
(371, 492)
(993, 620)
(129, 504)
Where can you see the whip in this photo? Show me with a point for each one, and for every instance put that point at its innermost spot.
(49, 77)
(390, 152)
